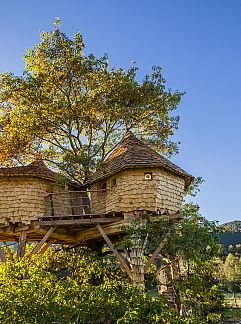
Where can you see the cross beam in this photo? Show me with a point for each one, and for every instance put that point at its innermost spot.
(116, 253)
(41, 243)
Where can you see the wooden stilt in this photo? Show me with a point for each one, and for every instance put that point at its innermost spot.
(154, 255)
(137, 264)
(116, 253)
(41, 243)
(22, 243)
(9, 253)
(2, 256)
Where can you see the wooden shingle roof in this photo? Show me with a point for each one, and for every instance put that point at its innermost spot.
(37, 169)
(133, 153)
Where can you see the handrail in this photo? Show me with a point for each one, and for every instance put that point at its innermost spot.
(77, 191)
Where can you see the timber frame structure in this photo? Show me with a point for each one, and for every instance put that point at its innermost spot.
(68, 230)
(133, 182)
(75, 230)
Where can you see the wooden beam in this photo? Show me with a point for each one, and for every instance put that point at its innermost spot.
(93, 233)
(57, 235)
(8, 238)
(21, 228)
(89, 221)
(154, 255)
(7, 229)
(116, 253)
(41, 243)
(46, 246)
(2, 225)
(166, 217)
(2, 256)
(22, 243)
(9, 253)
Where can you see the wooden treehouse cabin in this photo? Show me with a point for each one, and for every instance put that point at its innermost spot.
(132, 181)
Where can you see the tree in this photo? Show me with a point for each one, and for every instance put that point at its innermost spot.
(188, 256)
(74, 108)
(231, 274)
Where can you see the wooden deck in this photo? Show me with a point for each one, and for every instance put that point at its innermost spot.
(67, 220)
(69, 214)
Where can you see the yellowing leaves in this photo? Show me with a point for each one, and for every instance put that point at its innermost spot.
(73, 108)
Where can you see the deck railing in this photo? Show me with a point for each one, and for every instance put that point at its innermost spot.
(69, 203)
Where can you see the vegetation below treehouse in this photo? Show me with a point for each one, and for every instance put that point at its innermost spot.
(80, 286)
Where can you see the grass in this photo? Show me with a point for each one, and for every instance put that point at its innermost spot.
(232, 313)
(233, 309)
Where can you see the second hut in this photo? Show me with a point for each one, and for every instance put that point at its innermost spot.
(136, 178)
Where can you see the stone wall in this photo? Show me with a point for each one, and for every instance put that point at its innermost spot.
(128, 190)
(22, 198)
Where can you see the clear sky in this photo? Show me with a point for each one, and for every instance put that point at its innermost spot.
(198, 44)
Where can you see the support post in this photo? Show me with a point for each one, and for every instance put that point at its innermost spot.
(41, 243)
(2, 256)
(22, 243)
(137, 264)
(116, 253)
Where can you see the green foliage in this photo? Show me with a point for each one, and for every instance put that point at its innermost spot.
(189, 254)
(79, 287)
(192, 230)
(194, 188)
(232, 314)
(73, 287)
(235, 249)
(199, 291)
(231, 272)
(234, 226)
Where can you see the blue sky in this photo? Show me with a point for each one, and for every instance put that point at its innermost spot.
(198, 45)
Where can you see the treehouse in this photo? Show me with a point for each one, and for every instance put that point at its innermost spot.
(136, 178)
(133, 181)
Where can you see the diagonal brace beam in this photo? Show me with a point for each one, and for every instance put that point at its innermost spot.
(46, 246)
(154, 255)
(116, 253)
(41, 243)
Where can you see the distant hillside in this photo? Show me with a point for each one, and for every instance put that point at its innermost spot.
(234, 226)
(233, 234)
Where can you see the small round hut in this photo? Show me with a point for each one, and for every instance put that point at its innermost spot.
(22, 192)
(136, 178)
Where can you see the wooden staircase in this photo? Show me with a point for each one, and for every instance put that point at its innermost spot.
(169, 296)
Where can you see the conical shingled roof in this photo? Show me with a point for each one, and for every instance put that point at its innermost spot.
(37, 168)
(133, 153)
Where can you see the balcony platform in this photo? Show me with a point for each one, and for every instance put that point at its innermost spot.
(68, 220)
